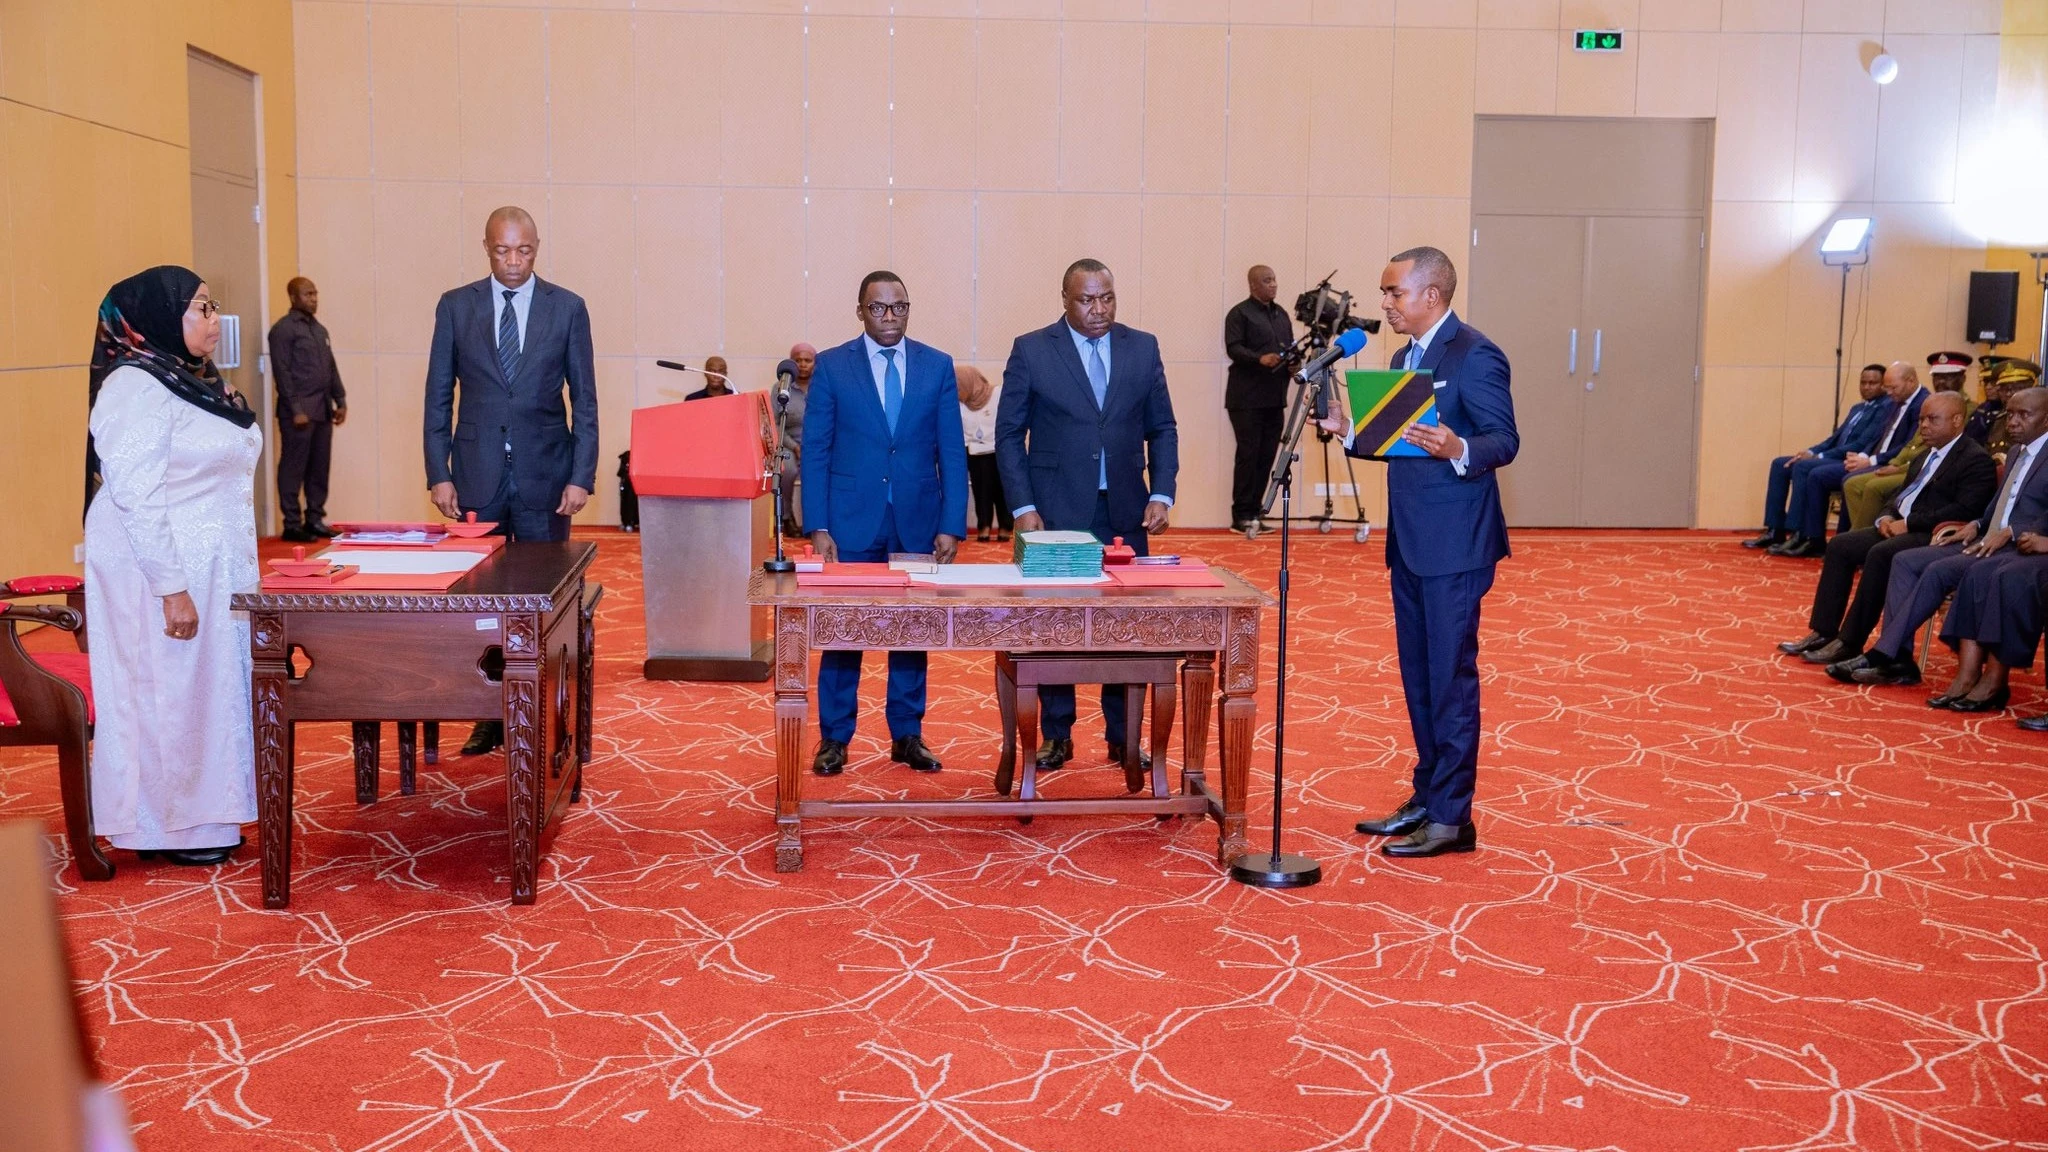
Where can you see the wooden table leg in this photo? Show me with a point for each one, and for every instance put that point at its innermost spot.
(586, 684)
(1162, 730)
(1134, 730)
(1198, 688)
(1006, 703)
(431, 731)
(1238, 716)
(1027, 741)
(408, 757)
(368, 745)
(525, 741)
(272, 723)
(792, 700)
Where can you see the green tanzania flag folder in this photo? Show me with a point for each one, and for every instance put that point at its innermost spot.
(1383, 402)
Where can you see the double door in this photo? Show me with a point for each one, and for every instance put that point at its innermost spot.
(1600, 317)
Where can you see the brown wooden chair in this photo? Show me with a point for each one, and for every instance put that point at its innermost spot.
(1019, 675)
(46, 701)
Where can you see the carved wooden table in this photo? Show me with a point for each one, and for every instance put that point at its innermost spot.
(1207, 625)
(374, 656)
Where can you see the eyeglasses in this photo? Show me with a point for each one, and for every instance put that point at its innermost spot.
(209, 307)
(879, 310)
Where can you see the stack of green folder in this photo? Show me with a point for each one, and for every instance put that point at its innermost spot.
(1059, 554)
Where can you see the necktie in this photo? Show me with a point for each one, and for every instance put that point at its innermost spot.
(1414, 357)
(892, 389)
(1912, 492)
(2005, 490)
(508, 339)
(1098, 373)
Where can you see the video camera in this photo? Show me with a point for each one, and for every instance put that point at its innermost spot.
(1326, 312)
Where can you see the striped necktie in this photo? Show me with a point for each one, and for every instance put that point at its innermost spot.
(1999, 519)
(508, 339)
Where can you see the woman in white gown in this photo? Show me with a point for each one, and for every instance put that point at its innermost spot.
(170, 534)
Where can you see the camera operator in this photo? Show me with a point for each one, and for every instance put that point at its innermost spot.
(1257, 335)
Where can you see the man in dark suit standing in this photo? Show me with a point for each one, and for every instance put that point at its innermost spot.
(884, 470)
(311, 404)
(1445, 533)
(1256, 336)
(1959, 477)
(511, 455)
(1085, 441)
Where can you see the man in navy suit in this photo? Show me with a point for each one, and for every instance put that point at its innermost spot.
(884, 470)
(1445, 533)
(1810, 500)
(1785, 485)
(1085, 442)
(514, 342)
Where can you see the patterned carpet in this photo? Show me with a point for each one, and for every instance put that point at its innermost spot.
(1720, 903)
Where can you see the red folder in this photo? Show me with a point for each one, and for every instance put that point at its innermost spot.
(853, 576)
(1163, 576)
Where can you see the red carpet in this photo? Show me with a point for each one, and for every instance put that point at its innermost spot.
(1720, 902)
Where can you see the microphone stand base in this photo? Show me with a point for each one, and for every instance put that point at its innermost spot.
(1265, 870)
(775, 565)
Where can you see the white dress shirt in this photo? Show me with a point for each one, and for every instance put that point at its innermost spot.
(522, 304)
(979, 425)
(879, 365)
(1920, 482)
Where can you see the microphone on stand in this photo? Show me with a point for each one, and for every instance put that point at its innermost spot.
(674, 366)
(785, 378)
(1344, 347)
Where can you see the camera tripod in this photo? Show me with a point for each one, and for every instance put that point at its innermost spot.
(1315, 395)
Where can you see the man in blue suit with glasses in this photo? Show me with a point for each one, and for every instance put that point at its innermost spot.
(884, 470)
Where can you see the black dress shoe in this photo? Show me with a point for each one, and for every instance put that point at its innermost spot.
(830, 758)
(486, 737)
(1433, 839)
(1884, 671)
(1054, 756)
(1766, 540)
(293, 534)
(1795, 540)
(1828, 653)
(911, 750)
(1806, 643)
(1407, 818)
(319, 528)
(1995, 702)
(1812, 548)
(2035, 723)
(1946, 700)
(1846, 670)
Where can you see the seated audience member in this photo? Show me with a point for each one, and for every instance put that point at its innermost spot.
(1810, 509)
(1859, 430)
(1864, 495)
(716, 383)
(1951, 482)
(1964, 559)
(2004, 375)
(2022, 608)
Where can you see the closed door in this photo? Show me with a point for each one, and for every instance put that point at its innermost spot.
(226, 245)
(1642, 380)
(1541, 337)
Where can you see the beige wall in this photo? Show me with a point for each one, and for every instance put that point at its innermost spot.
(95, 184)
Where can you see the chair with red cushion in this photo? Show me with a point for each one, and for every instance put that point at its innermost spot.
(46, 700)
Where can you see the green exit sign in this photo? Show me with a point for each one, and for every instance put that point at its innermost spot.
(1597, 40)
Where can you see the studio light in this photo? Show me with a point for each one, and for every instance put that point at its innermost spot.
(1847, 241)
(1846, 245)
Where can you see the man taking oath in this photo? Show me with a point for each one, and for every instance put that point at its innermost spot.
(884, 470)
(1445, 533)
(516, 344)
(1085, 442)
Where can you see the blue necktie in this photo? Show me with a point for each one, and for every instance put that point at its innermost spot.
(892, 389)
(508, 339)
(1098, 379)
(1414, 357)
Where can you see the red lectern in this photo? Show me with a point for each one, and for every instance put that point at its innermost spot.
(701, 469)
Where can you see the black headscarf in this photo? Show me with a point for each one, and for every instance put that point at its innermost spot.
(142, 325)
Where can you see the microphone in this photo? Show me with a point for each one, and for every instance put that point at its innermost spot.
(785, 375)
(672, 366)
(1345, 347)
